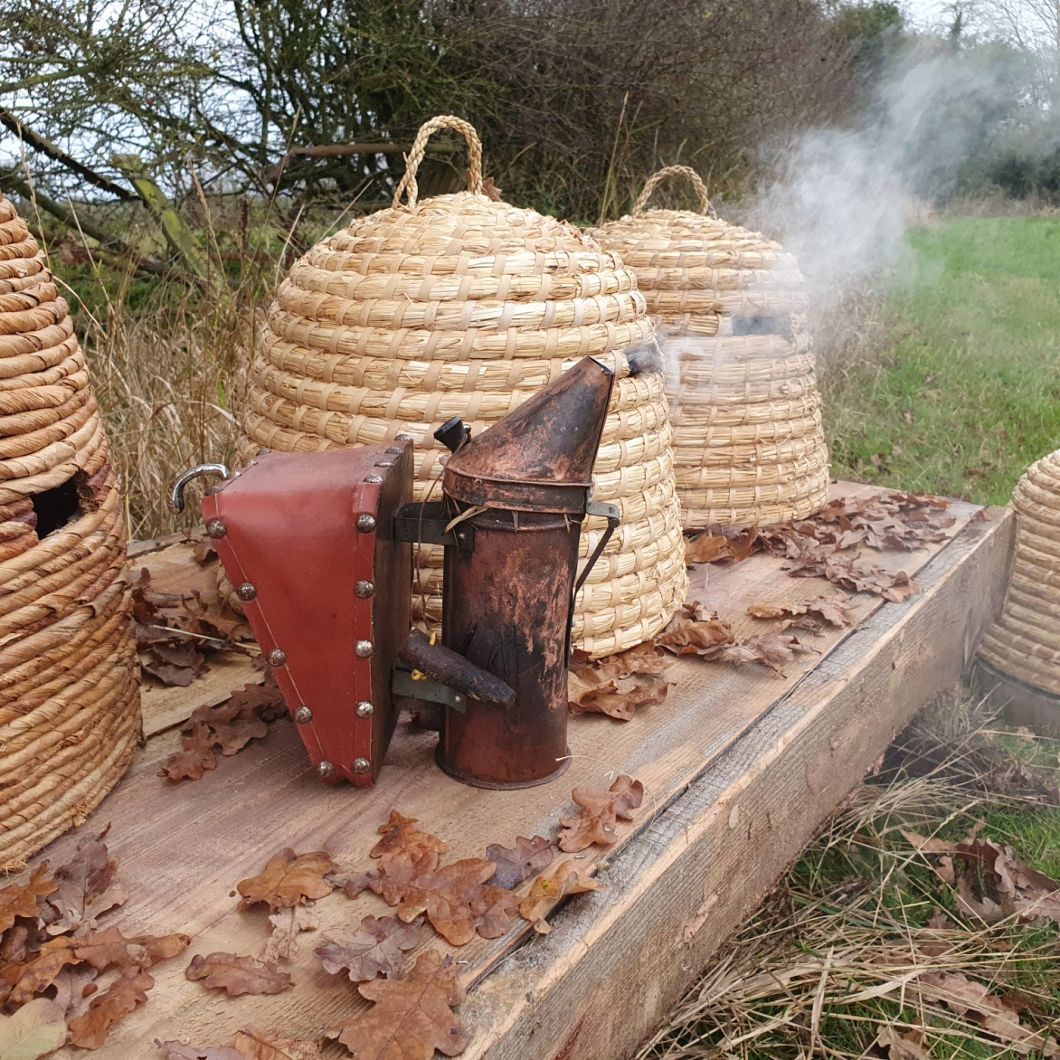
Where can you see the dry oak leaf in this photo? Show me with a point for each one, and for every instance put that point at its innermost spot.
(456, 898)
(87, 888)
(89, 1030)
(194, 759)
(287, 925)
(973, 1000)
(36, 1029)
(376, 948)
(400, 836)
(831, 611)
(706, 548)
(600, 811)
(103, 949)
(898, 1046)
(289, 879)
(515, 864)
(412, 1017)
(773, 650)
(74, 988)
(690, 633)
(24, 981)
(237, 975)
(255, 1045)
(20, 899)
(546, 892)
(619, 684)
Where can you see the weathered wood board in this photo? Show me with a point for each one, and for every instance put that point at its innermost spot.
(740, 768)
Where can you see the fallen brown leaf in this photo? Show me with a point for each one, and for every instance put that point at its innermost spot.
(288, 879)
(973, 1000)
(515, 864)
(110, 948)
(225, 727)
(110, 1006)
(87, 887)
(898, 1046)
(248, 1045)
(689, 633)
(705, 548)
(618, 684)
(20, 899)
(830, 611)
(456, 898)
(547, 891)
(376, 948)
(400, 836)
(237, 975)
(287, 925)
(596, 822)
(412, 1017)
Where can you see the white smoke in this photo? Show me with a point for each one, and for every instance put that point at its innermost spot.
(846, 196)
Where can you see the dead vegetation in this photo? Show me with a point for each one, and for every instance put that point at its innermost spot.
(870, 946)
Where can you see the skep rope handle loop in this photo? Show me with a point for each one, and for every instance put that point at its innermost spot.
(674, 171)
(419, 147)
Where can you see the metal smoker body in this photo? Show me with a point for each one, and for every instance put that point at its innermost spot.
(524, 486)
(318, 546)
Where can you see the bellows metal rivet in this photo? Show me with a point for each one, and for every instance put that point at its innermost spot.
(277, 657)
(215, 528)
(362, 649)
(395, 449)
(325, 769)
(403, 438)
(303, 715)
(246, 591)
(364, 589)
(373, 479)
(365, 709)
(365, 523)
(263, 452)
(361, 765)
(384, 463)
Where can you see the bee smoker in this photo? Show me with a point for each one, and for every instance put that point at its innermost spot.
(524, 488)
(319, 549)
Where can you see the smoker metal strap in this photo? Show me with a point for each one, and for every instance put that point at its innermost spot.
(610, 513)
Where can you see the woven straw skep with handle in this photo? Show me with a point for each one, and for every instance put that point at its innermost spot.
(1025, 641)
(69, 683)
(729, 306)
(462, 305)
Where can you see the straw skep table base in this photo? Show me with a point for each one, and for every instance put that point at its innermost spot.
(740, 769)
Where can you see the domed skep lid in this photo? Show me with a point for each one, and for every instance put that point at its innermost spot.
(1024, 643)
(463, 305)
(729, 306)
(69, 688)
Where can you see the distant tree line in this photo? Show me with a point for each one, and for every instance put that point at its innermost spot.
(170, 101)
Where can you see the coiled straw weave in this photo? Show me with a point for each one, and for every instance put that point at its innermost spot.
(729, 305)
(69, 686)
(461, 305)
(1025, 640)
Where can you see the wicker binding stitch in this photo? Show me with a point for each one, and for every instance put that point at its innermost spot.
(1025, 641)
(729, 306)
(461, 305)
(69, 691)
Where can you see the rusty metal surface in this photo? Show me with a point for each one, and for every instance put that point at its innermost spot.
(507, 608)
(540, 457)
(313, 533)
(508, 604)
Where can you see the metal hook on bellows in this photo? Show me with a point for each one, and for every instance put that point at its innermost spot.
(176, 491)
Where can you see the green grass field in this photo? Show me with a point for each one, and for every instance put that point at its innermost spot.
(966, 393)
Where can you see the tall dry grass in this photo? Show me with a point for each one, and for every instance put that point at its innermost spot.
(844, 960)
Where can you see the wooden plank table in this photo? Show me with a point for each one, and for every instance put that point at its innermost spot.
(740, 768)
